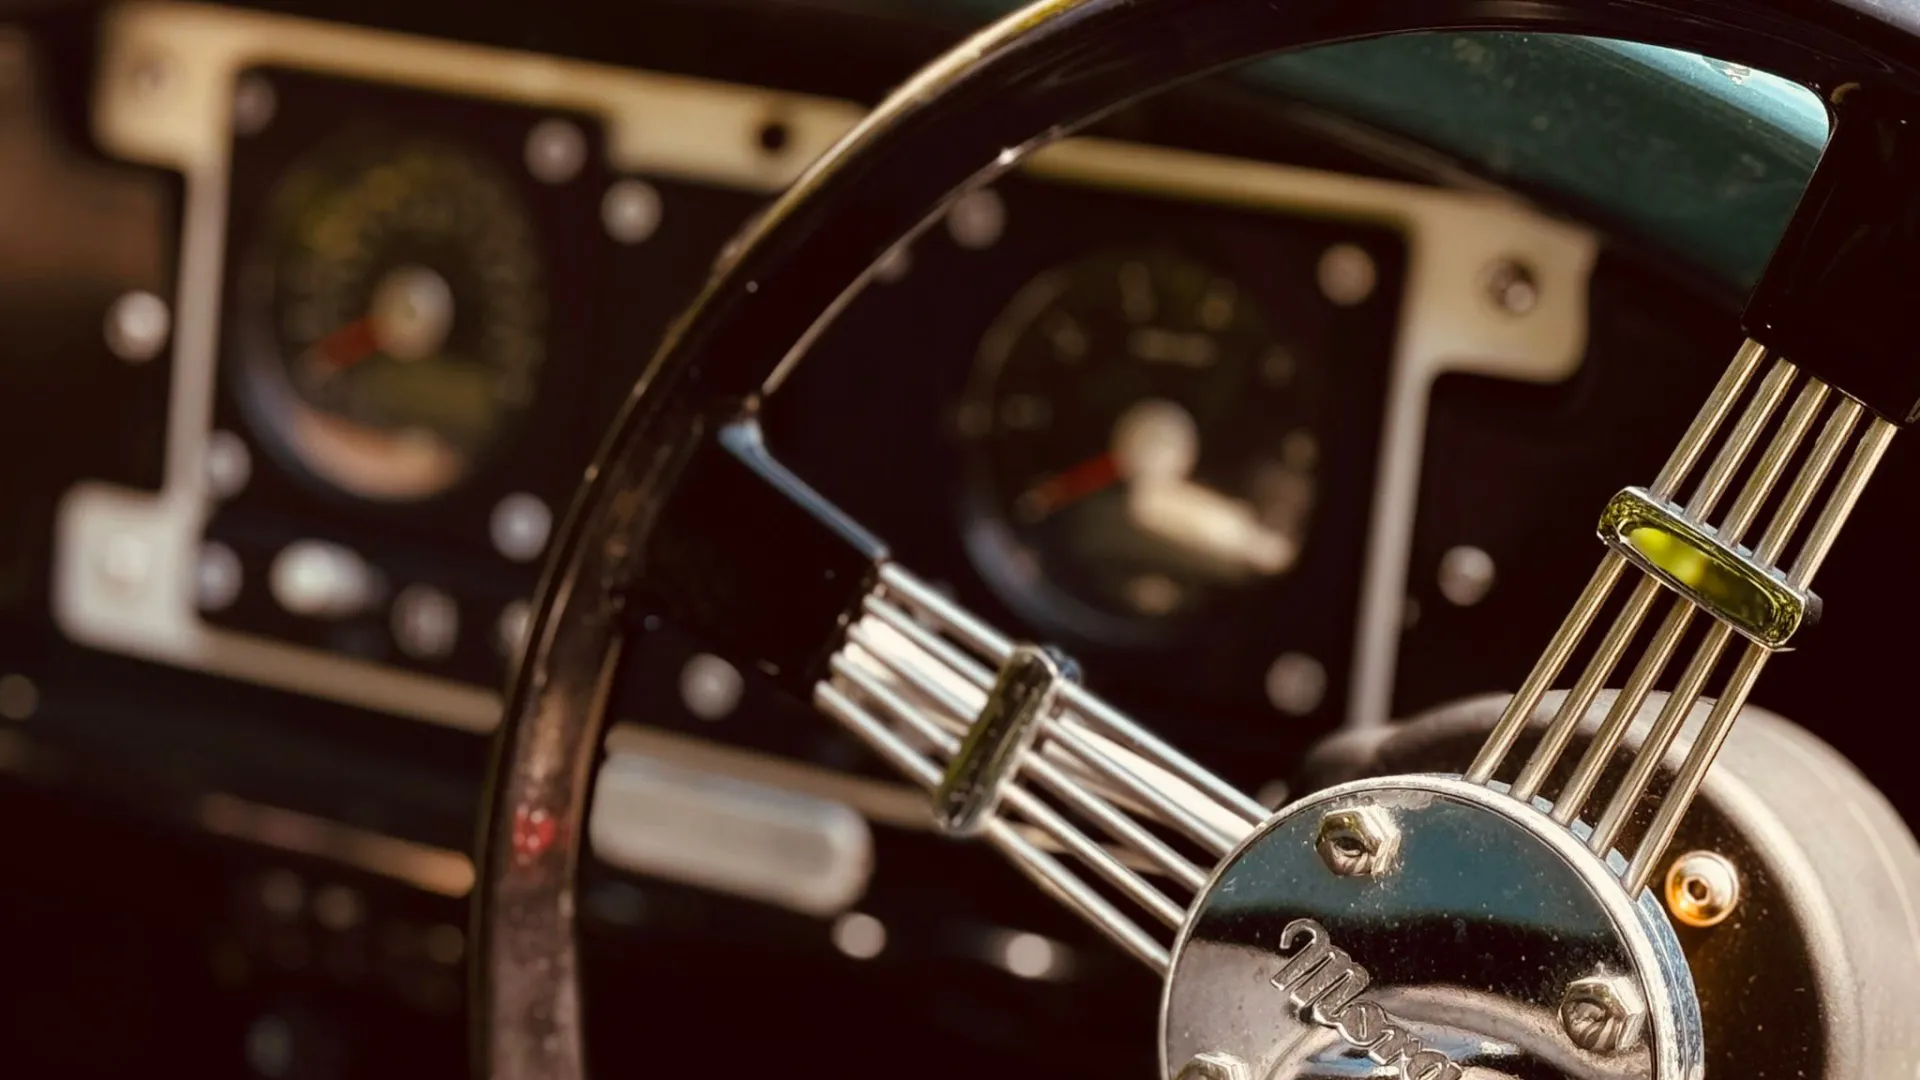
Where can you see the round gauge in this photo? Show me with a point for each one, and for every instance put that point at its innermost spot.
(391, 316)
(1142, 444)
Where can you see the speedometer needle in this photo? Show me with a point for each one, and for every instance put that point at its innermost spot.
(347, 345)
(1068, 486)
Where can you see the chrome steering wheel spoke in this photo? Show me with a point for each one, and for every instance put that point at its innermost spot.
(1754, 592)
(1009, 746)
(1012, 749)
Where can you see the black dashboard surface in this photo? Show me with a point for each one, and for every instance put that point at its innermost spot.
(212, 859)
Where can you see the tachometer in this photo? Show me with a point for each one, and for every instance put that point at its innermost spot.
(1142, 442)
(392, 316)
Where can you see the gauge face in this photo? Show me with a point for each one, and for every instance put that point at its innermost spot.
(1142, 443)
(391, 316)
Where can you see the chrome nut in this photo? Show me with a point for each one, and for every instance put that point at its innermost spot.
(1604, 1014)
(1213, 1066)
(1361, 841)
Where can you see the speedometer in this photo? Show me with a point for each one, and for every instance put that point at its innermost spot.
(391, 316)
(1142, 443)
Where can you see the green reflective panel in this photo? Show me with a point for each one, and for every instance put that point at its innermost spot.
(1702, 158)
(1694, 154)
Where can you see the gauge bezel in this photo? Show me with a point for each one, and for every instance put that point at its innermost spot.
(323, 446)
(993, 540)
(445, 540)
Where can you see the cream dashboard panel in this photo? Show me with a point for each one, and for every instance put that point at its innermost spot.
(124, 580)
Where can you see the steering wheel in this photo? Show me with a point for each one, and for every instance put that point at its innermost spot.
(1319, 933)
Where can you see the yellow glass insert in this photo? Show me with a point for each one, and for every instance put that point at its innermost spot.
(1754, 600)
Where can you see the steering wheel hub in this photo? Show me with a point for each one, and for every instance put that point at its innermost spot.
(1424, 926)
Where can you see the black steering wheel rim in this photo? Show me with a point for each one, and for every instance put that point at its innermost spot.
(972, 114)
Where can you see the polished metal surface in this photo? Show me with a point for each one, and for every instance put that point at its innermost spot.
(1706, 423)
(987, 726)
(1360, 842)
(1707, 569)
(1500, 943)
(1702, 564)
(1703, 888)
(731, 835)
(1807, 975)
(978, 772)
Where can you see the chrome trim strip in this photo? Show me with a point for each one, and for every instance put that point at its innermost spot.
(718, 832)
(433, 869)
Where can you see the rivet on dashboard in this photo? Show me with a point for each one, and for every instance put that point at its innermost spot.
(1296, 683)
(426, 622)
(1027, 955)
(254, 103)
(1359, 841)
(1466, 575)
(556, 150)
(217, 576)
(1703, 888)
(1512, 287)
(1347, 274)
(630, 211)
(126, 562)
(317, 579)
(339, 908)
(710, 687)
(19, 697)
(228, 464)
(520, 526)
(150, 74)
(977, 219)
(859, 935)
(137, 326)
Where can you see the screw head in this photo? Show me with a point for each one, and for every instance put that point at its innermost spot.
(1703, 888)
(556, 150)
(137, 326)
(1512, 287)
(1466, 575)
(1603, 1014)
(1212, 1065)
(1361, 841)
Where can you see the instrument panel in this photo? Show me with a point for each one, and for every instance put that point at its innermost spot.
(1159, 407)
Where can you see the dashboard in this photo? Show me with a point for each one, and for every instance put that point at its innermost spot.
(1273, 435)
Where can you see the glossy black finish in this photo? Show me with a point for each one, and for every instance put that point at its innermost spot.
(1838, 297)
(747, 556)
(1032, 77)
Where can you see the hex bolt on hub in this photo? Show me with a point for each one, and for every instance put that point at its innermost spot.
(1603, 1014)
(1361, 841)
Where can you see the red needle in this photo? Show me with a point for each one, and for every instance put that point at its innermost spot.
(348, 345)
(1068, 486)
